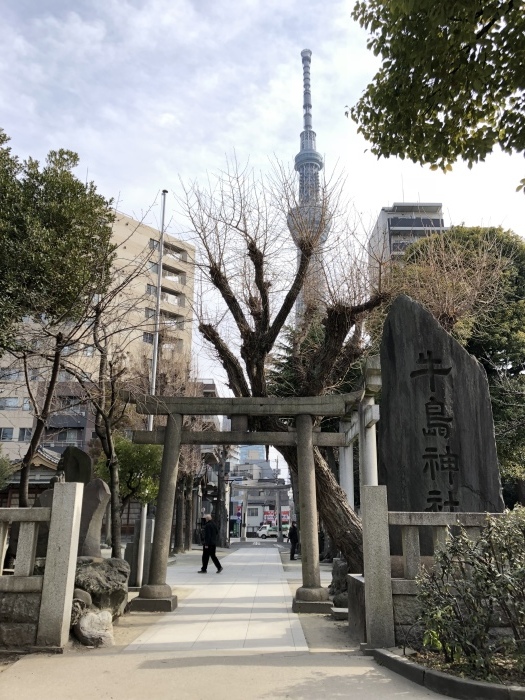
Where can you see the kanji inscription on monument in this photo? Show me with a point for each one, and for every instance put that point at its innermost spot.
(436, 446)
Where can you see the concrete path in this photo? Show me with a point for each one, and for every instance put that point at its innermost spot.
(233, 635)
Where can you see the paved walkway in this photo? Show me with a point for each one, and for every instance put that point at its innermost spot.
(233, 635)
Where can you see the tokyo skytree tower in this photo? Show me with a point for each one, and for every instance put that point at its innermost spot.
(310, 221)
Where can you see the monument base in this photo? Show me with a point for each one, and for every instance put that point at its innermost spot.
(312, 606)
(140, 604)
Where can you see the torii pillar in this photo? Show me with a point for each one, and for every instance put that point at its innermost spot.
(156, 595)
(311, 595)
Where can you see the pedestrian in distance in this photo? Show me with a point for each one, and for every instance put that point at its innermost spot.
(211, 534)
(293, 539)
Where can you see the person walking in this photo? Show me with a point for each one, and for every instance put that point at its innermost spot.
(293, 539)
(211, 533)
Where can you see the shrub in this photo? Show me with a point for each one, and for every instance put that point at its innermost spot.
(476, 588)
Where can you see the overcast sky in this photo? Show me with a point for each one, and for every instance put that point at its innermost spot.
(147, 90)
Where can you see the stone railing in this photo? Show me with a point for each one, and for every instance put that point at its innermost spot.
(36, 609)
(381, 608)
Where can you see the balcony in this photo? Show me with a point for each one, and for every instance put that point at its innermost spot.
(170, 274)
(173, 299)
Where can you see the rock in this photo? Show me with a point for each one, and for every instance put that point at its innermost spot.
(436, 445)
(106, 580)
(95, 629)
(84, 596)
(94, 501)
(78, 608)
(76, 464)
(339, 581)
(341, 600)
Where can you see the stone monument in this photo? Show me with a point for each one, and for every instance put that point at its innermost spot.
(436, 445)
(76, 464)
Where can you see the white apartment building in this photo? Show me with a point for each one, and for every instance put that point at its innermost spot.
(399, 226)
(71, 423)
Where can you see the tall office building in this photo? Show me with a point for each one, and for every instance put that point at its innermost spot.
(404, 223)
(310, 219)
(399, 226)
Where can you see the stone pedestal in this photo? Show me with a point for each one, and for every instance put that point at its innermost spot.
(132, 551)
(154, 598)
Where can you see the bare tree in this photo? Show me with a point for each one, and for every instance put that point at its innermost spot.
(240, 223)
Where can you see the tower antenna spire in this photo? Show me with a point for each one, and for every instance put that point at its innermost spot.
(310, 219)
(308, 162)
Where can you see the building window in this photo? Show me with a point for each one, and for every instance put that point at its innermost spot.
(64, 376)
(10, 375)
(147, 337)
(151, 289)
(150, 313)
(154, 267)
(34, 374)
(153, 244)
(26, 404)
(89, 350)
(253, 512)
(6, 434)
(24, 434)
(70, 404)
(8, 404)
(70, 435)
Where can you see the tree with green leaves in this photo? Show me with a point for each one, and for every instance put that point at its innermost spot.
(55, 259)
(139, 470)
(6, 470)
(451, 83)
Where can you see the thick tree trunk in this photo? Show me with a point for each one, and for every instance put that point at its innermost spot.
(342, 523)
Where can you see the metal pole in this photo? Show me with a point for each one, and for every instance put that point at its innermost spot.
(153, 382)
(154, 360)
(142, 545)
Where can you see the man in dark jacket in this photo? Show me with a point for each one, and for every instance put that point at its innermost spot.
(211, 534)
(293, 539)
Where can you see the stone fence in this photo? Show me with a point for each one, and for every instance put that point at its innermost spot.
(35, 610)
(382, 608)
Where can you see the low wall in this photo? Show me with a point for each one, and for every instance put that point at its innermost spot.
(19, 614)
(405, 604)
(35, 608)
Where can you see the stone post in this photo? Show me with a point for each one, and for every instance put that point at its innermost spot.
(376, 557)
(346, 457)
(311, 590)
(61, 560)
(157, 592)
(368, 417)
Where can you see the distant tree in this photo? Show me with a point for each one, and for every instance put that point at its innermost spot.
(451, 81)
(139, 471)
(6, 470)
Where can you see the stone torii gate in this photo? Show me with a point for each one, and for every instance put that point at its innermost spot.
(157, 594)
